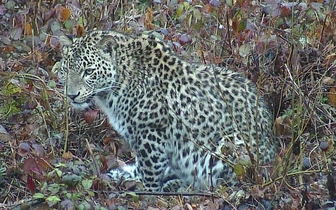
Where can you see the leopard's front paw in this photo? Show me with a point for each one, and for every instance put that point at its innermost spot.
(125, 177)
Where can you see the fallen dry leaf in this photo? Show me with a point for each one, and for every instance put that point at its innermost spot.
(332, 96)
(4, 136)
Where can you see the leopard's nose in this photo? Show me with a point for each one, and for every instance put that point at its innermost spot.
(73, 96)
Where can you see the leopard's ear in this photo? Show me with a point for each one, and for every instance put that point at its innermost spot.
(106, 44)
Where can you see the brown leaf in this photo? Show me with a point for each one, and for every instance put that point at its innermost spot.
(63, 13)
(257, 191)
(7, 49)
(90, 116)
(149, 19)
(329, 59)
(328, 81)
(104, 163)
(17, 66)
(283, 126)
(67, 156)
(38, 149)
(208, 8)
(43, 164)
(239, 22)
(80, 31)
(4, 136)
(36, 56)
(28, 29)
(285, 11)
(235, 26)
(332, 96)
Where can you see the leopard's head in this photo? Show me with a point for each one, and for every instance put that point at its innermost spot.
(88, 66)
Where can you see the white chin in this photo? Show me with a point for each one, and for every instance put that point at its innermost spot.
(80, 106)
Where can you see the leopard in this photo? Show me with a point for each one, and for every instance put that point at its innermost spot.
(189, 124)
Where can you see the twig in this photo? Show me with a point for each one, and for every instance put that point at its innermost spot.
(22, 204)
(135, 17)
(204, 194)
(92, 156)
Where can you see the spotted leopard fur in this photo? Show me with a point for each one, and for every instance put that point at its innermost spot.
(188, 123)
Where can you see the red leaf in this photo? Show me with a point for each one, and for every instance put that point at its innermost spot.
(90, 116)
(285, 11)
(36, 168)
(28, 165)
(31, 184)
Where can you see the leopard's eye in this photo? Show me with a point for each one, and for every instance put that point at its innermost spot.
(88, 71)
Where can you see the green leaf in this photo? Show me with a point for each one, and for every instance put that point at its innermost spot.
(197, 14)
(68, 195)
(186, 5)
(84, 206)
(52, 200)
(68, 24)
(52, 84)
(90, 193)
(58, 165)
(134, 196)
(197, 26)
(239, 169)
(242, 24)
(87, 184)
(58, 172)
(229, 3)
(71, 180)
(81, 21)
(179, 10)
(10, 4)
(38, 195)
(245, 50)
(11, 89)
